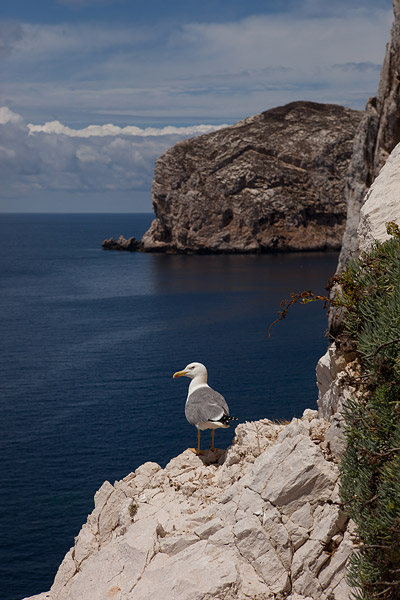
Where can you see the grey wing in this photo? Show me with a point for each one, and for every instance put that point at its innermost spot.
(205, 404)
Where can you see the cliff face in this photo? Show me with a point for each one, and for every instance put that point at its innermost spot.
(261, 520)
(381, 204)
(335, 369)
(377, 135)
(274, 181)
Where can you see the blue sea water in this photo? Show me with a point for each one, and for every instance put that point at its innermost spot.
(90, 340)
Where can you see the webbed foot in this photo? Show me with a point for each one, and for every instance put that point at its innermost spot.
(196, 451)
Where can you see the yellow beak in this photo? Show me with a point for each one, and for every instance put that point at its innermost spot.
(179, 374)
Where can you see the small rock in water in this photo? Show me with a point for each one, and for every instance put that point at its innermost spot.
(122, 244)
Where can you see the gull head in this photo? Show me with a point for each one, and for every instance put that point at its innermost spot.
(193, 370)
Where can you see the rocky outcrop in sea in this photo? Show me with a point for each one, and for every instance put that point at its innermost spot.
(131, 244)
(274, 181)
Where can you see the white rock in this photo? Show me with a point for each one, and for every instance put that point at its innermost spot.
(174, 545)
(292, 473)
(64, 576)
(342, 591)
(251, 503)
(278, 535)
(209, 528)
(309, 415)
(193, 574)
(308, 584)
(333, 568)
(334, 440)
(326, 373)
(382, 203)
(298, 535)
(251, 527)
(328, 520)
(307, 558)
(223, 537)
(254, 544)
(331, 382)
(85, 544)
(303, 516)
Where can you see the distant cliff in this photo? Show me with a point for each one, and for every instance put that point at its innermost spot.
(274, 181)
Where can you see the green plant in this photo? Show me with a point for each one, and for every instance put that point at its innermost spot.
(133, 508)
(370, 483)
(368, 294)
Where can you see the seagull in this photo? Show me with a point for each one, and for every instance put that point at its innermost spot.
(205, 408)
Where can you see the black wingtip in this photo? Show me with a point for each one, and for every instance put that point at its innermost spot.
(226, 419)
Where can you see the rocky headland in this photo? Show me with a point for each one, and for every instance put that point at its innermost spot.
(292, 178)
(274, 181)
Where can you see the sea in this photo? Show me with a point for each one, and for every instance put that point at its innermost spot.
(90, 340)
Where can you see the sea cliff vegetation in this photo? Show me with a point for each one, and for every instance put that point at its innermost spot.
(370, 466)
(366, 303)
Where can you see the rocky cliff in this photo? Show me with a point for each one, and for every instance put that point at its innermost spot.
(377, 135)
(336, 368)
(351, 380)
(380, 205)
(274, 181)
(261, 520)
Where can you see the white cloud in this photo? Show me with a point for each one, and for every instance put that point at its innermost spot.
(301, 43)
(7, 153)
(8, 116)
(59, 76)
(97, 158)
(114, 130)
(221, 71)
(75, 40)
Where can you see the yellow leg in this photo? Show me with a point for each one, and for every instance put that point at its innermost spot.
(212, 438)
(197, 450)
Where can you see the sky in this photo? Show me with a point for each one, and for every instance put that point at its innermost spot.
(93, 91)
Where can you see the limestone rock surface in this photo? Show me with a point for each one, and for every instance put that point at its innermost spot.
(376, 137)
(261, 520)
(382, 203)
(335, 369)
(274, 181)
